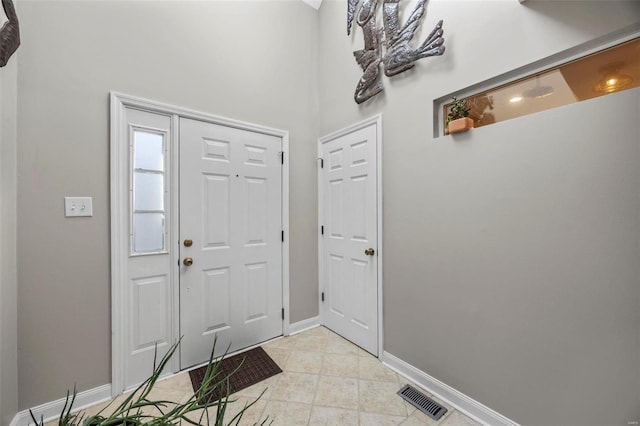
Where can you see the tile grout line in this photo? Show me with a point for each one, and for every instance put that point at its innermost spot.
(358, 386)
(315, 394)
(268, 399)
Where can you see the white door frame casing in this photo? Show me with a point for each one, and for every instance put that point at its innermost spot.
(377, 121)
(119, 232)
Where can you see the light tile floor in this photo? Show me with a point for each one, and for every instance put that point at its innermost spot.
(326, 380)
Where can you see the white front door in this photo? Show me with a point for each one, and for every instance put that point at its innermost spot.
(230, 209)
(349, 253)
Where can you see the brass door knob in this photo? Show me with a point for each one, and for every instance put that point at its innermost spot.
(369, 251)
(188, 243)
(187, 261)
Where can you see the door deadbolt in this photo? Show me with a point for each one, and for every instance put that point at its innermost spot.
(188, 261)
(188, 243)
(369, 251)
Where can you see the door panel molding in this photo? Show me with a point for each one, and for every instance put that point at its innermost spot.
(230, 206)
(336, 161)
(119, 202)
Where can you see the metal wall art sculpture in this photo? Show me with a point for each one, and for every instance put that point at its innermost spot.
(9, 33)
(399, 55)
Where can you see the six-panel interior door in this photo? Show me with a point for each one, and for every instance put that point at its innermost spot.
(230, 208)
(349, 256)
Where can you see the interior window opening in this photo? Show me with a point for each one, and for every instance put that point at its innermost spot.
(599, 74)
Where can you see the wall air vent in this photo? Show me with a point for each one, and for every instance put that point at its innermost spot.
(422, 402)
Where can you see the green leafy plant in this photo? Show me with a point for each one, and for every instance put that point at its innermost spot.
(139, 409)
(458, 109)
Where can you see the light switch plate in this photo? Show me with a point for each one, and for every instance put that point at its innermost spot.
(78, 206)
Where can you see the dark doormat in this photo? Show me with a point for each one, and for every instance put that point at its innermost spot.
(257, 366)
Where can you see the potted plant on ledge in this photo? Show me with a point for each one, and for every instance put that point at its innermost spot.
(458, 117)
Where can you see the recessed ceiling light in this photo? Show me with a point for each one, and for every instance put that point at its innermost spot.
(612, 79)
(613, 82)
(515, 99)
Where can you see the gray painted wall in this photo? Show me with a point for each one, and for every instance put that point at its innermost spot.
(8, 273)
(529, 270)
(252, 61)
(510, 269)
(74, 53)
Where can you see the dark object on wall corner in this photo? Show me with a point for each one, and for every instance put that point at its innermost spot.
(9, 34)
(399, 55)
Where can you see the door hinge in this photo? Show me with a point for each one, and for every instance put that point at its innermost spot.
(282, 314)
(323, 296)
(281, 157)
(322, 230)
(282, 235)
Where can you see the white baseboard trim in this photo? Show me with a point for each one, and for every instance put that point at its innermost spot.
(52, 410)
(461, 402)
(304, 325)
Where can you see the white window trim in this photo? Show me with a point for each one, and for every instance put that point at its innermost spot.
(555, 60)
